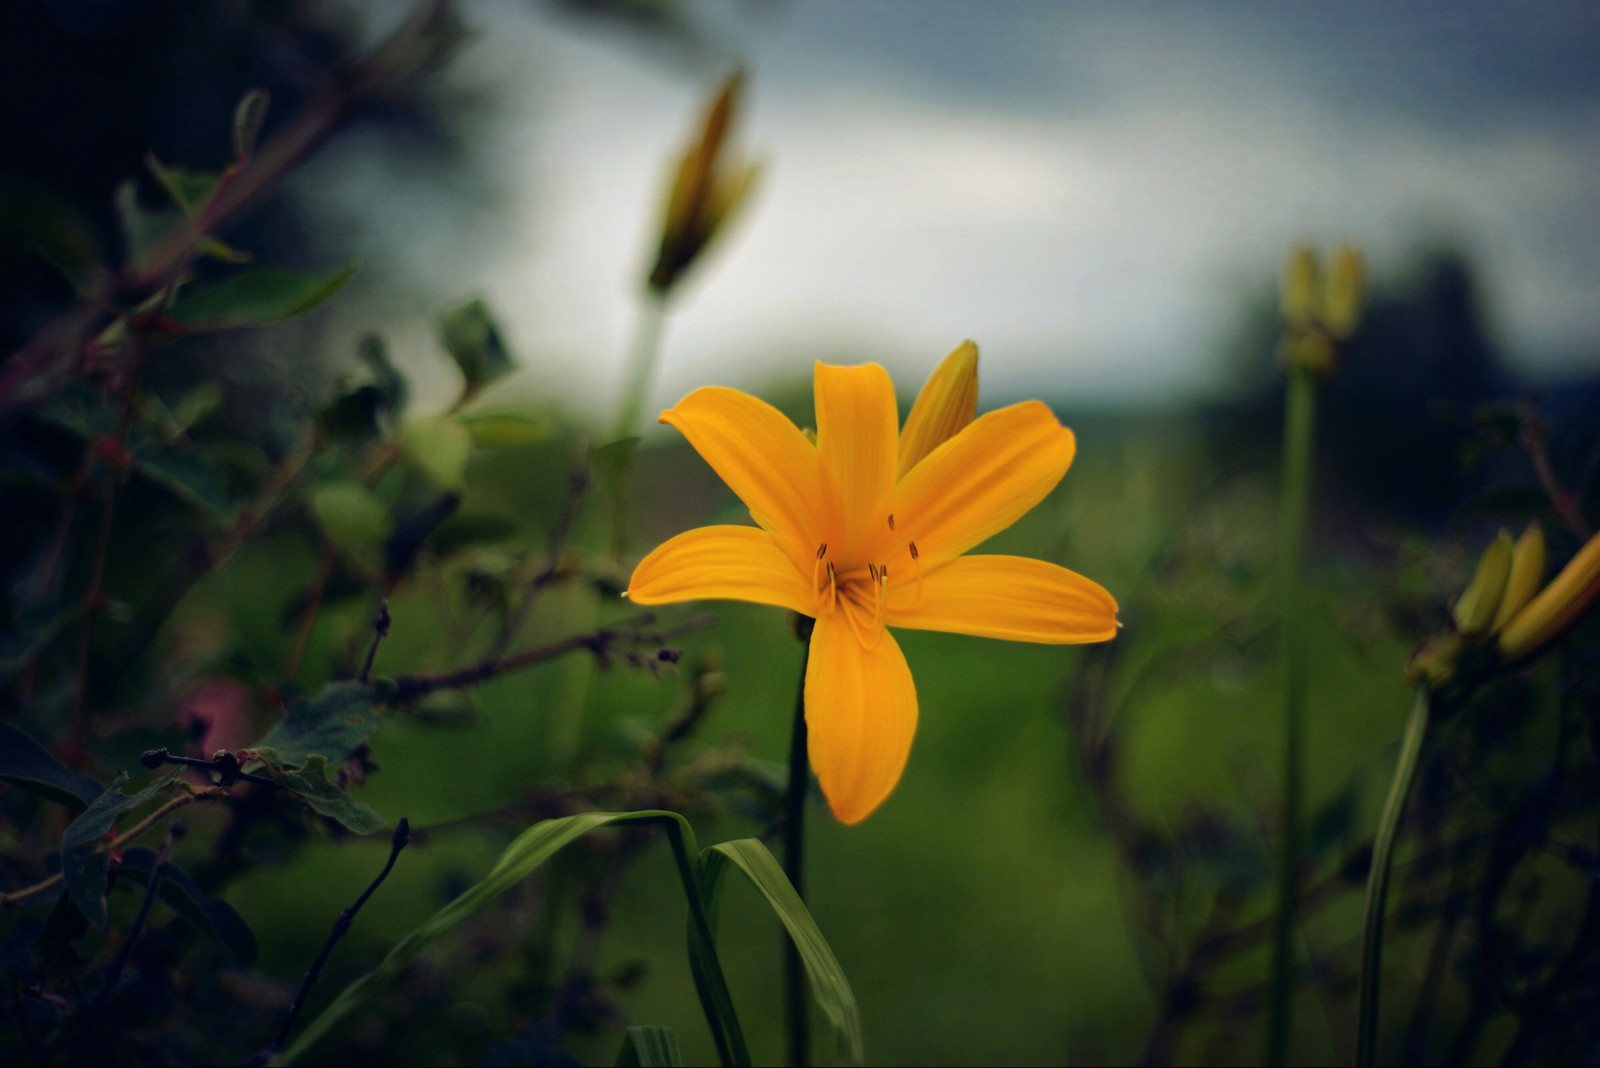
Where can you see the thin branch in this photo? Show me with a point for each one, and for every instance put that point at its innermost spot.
(380, 631)
(577, 488)
(308, 615)
(16, 897)
(341, 927)
(89, 1032)
(625, 637)
(202, 558)
(94, 592)
(1561, 498)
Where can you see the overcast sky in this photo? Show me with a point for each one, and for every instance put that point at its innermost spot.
(1089, 192)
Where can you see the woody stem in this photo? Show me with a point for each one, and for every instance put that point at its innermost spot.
(794, 839)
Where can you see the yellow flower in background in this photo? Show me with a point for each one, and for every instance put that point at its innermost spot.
(1321, 308)
(867, 529)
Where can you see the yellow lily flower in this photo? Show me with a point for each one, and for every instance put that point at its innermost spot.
(845, 536)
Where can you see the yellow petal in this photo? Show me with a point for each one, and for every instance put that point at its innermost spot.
(1346, 292)
(947, 403)
(724, 563)
(1527, 574)
(1302, 290)
(861, 712)
(858, 429)
(1476, 608)
(765, 460)
(1557, 607)
(980, 482)
(1009, 597)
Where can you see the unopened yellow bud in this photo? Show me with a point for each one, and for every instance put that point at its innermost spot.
(1475, 610)
(1557, 607)
(1301, 291)
(1346, 293)
(708, 186)
(947, 403)
(1528, 558)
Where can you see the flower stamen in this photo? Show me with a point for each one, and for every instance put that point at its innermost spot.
(916, 565)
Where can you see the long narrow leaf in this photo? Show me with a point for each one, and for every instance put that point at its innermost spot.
(522, 857)
(829, 986)
(649, 1047)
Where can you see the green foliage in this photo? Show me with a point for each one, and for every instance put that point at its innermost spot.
(829, 987)
(180, 470)
(83, 863)
(211, 916)
(649, 1047)
(33, 627)
(26, 763)
(331, 725)
(247, 119)
(440, 448)
(189, 190)
(352, 518)
(473, 341)
(256, 298)
(310, 784)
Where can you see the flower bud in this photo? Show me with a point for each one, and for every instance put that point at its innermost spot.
(1301, 298)
(1557, 607)
(947, 403)
(1528, 558)
(1475, 611)
(708, 187)
(1346, 293)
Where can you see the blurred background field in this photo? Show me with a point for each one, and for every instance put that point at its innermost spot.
(1102, 200)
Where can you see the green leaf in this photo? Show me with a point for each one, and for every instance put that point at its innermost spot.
(247, 119)
(649, 1047)
(612, 460)
(526, 853)
(312, 785)
(470, 336)
(182, 472)
(352, 518)
(83, 867)
(26, 763)
(190, 190)
(256, 298)
(141, 227)
(391, 383)
(829, 987)
(206, 914)
(36, 625)
(503, 430)
(197, 405)
(440, 448)
(332, 725)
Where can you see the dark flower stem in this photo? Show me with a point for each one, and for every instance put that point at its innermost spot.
(794, 846)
